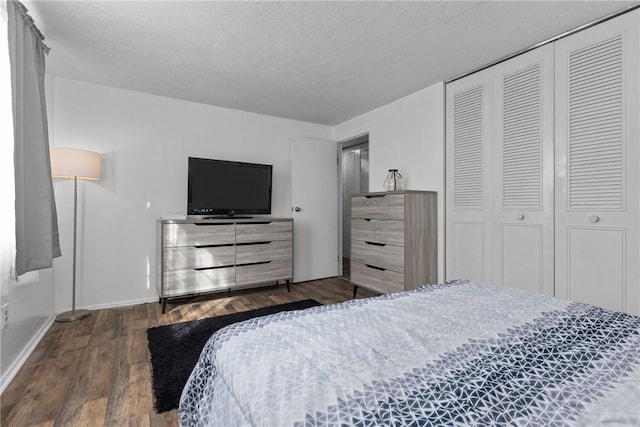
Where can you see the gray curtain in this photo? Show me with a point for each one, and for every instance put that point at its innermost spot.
(37, 241)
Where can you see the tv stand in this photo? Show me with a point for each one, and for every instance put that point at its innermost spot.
(228, 217)
(212, 255)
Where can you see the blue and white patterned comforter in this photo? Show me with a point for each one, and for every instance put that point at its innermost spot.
(462, 353)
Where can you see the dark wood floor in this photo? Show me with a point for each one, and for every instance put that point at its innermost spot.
(96, 372)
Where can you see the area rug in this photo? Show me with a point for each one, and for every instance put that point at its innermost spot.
(175, 349)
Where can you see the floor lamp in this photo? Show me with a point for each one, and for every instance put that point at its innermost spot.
(71, 163)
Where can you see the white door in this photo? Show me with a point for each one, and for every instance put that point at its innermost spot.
(523, 235)
(597, 163)
(468, 178)
(314, 200)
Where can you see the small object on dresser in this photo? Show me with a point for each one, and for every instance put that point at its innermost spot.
(393, 181)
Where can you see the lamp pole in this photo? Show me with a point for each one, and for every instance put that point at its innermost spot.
(75, 241)
(73, 315)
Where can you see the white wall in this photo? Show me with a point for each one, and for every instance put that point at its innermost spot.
(31, 313)
(408, 135)
(145, 141)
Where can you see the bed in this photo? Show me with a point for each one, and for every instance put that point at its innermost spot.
(460, 353)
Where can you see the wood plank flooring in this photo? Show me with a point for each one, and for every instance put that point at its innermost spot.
(96, 372)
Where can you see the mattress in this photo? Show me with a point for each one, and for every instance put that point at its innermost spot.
(459, 353)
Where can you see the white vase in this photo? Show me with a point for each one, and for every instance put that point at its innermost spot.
(393, 181)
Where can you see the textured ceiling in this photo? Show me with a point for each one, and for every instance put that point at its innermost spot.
(322, 62)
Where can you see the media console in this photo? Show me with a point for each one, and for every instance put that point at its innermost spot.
(208, 255)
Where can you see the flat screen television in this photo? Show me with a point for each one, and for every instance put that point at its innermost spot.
(226, 188)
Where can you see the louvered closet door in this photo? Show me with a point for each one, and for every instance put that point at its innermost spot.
(468, 237)
(597, 162)
(523, 237)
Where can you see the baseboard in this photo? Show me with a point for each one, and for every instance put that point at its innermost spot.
(119, 304)
(25, 353)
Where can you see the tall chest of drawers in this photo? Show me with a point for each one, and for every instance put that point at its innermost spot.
(196, 256)
(393, 240)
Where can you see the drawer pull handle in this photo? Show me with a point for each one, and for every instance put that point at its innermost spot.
(255, 222)
(594, 219)
(253, 243)
(373, 220)
(375, 243)
(212, 246)
(376, 268)
(252, 263)
(212, 268)
(209, 224)
(375, 196)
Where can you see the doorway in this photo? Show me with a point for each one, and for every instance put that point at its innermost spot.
(355, 179)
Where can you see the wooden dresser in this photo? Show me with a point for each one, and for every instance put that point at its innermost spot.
(393, 240)
(197, 256)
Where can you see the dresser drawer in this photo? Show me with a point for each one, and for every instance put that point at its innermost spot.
(386, 256)
(378, 231)
(181, 282)
(383, 281)
(180, 258)
(268, 251)
(197, 234)
(389, 206)
(264, 272)
(264, 231)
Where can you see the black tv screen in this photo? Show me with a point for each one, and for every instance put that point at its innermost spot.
(221, 187)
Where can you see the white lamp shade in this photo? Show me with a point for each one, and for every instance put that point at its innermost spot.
(73, 163)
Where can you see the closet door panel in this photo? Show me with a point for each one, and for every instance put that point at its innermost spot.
(468, 178)
(522, 256)
(586, 265)
(469, 240)
(523, 93)
(597, 159)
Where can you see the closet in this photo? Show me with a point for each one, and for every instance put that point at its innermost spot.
(542, 175)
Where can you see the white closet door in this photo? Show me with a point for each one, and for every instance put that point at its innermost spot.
(468, 240)
(597, 163)
(523, 237)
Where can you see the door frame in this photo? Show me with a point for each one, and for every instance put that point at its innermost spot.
(358, 139)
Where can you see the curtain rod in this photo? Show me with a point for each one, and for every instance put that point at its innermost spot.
(551, 40)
